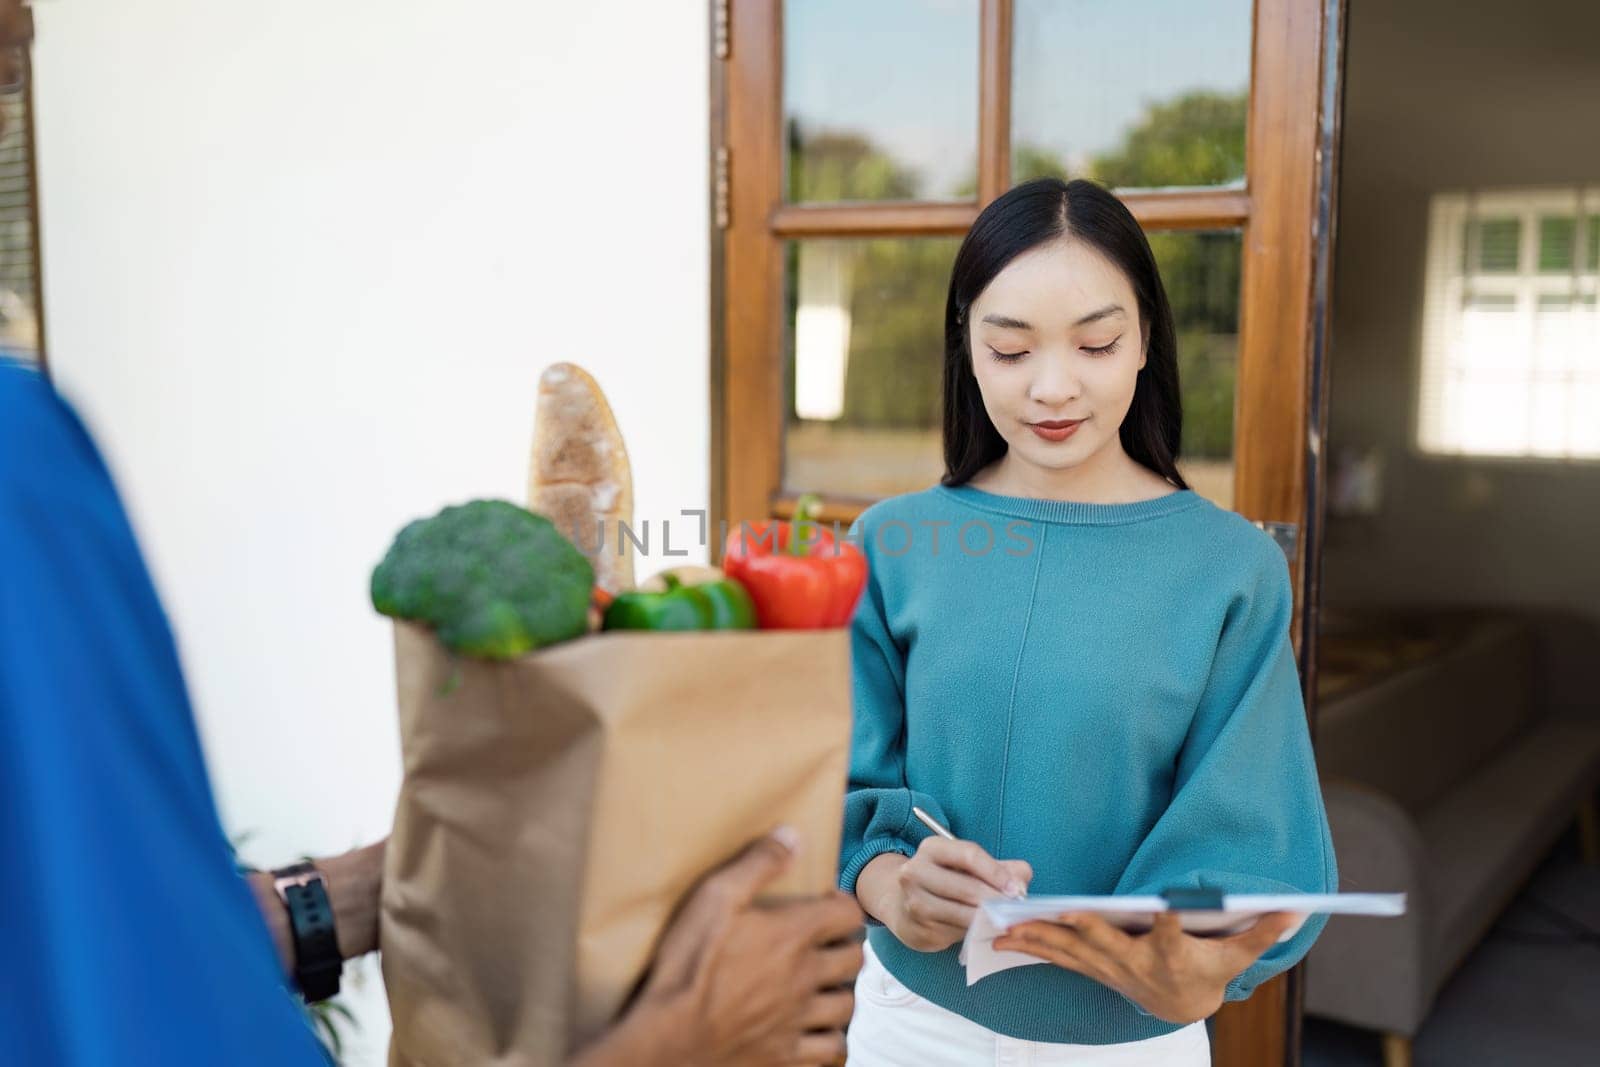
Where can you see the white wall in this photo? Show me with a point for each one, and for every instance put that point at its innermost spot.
(303, 262)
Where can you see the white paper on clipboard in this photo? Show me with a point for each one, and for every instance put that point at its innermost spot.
(1136, 914)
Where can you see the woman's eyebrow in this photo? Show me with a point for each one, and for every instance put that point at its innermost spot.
(1103, 313)
(1006, 322)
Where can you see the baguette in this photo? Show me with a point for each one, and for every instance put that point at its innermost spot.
(580, 478)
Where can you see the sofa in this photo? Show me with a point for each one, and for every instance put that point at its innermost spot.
(1446, 777)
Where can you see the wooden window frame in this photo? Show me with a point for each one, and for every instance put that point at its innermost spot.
(1286, 210)
(1449, 282)
(752, 221)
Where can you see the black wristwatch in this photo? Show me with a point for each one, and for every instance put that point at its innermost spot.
(316, 945)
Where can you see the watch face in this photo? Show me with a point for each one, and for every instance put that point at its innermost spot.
(300, 874)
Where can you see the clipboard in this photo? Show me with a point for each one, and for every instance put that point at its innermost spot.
(1204, 912)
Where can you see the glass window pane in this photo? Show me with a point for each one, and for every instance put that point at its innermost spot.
(880, 99)
(19, 318)
(865, 364)
(1556, 237)
(866, 350)
(1134, 95)
(1200, 270)
(1492, 246)
(1493, 338)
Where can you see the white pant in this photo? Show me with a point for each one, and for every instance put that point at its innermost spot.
(894, 1027)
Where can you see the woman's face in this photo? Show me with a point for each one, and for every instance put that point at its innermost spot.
(1065, 324)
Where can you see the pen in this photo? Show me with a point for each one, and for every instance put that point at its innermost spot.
(933, 824)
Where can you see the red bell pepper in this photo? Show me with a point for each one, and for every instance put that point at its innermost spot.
(799, 574)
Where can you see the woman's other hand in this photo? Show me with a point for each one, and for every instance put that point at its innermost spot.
(928, 900)
(1170, 974)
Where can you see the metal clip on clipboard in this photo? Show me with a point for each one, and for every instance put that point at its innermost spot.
(1205, 898)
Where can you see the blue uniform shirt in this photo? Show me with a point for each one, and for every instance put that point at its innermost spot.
(128, 938)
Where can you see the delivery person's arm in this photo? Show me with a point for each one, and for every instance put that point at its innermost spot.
(740, 983)
(352, 881)
(734, 981)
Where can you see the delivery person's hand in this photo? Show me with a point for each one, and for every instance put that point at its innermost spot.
(1170, 974)
(736, 982)
(928, 900)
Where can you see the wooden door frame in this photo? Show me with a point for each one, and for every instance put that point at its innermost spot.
(17, 31)
(1308, 583)
(1287, 211)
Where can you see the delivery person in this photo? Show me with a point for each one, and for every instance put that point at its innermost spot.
(128, 935)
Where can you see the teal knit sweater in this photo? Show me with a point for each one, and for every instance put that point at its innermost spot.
(1107, 691)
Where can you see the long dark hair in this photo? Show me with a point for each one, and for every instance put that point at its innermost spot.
(1025, 217)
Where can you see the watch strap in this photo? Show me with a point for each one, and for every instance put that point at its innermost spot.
(317, 963)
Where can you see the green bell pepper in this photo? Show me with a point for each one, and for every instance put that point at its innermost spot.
(722, 604)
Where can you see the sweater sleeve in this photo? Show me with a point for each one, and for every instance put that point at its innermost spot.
(1246, 813)
(878, 801)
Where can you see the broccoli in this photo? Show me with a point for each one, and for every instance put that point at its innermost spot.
(492, 579)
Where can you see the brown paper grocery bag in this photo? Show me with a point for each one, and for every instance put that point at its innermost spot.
(556, 807)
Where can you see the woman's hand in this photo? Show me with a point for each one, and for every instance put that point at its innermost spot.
(1170, 974)
(928, 900)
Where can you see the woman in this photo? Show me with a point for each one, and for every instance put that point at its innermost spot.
(1079, 666)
